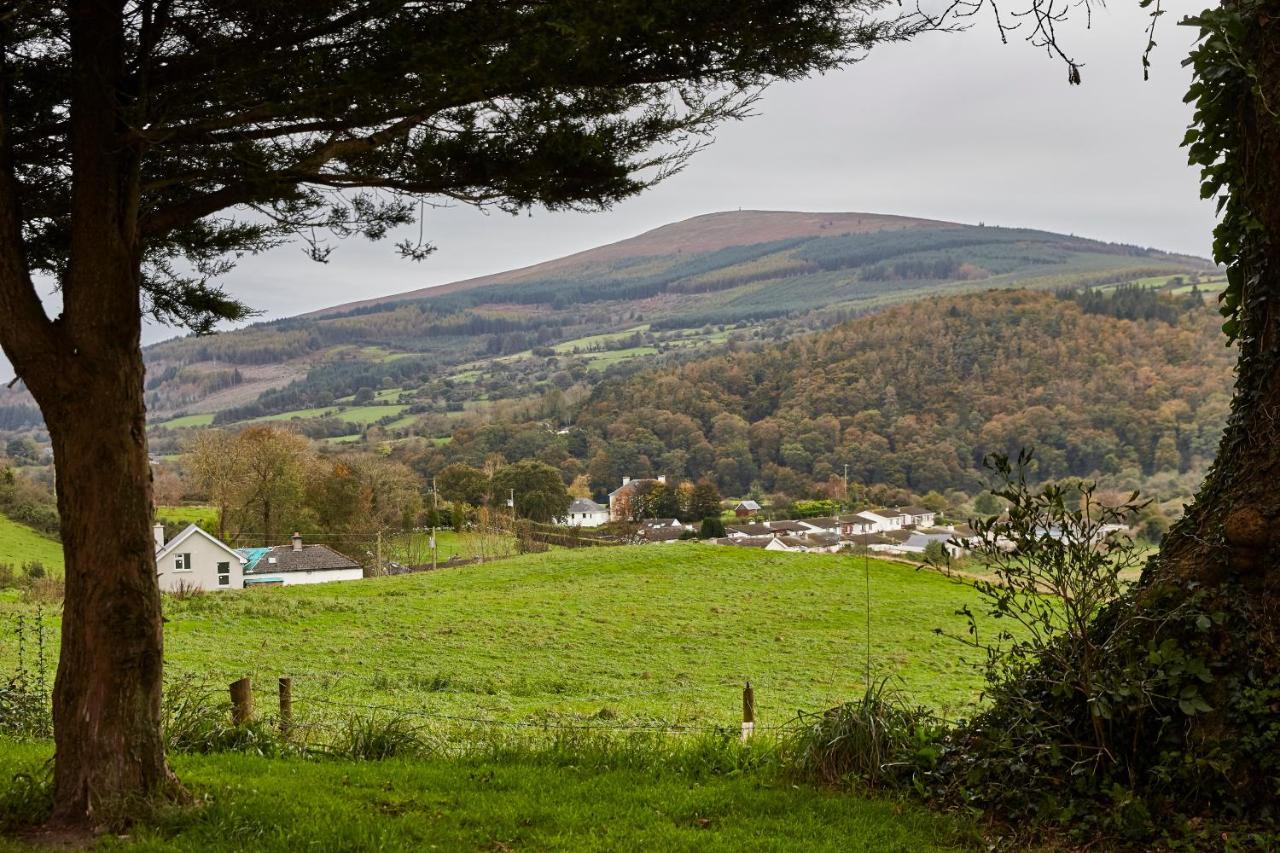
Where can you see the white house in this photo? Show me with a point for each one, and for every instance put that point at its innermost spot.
(886, 519)
(287, 565)
(195, 559)
(920, 516)
(586, 513)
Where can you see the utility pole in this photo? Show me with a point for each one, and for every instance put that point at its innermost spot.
(846, 483)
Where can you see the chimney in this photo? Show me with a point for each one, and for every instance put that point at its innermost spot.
(158, 533)
(662, 478)
(297, 542)
(626, 480)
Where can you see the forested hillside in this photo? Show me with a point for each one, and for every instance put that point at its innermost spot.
(676, 292)
(1131, 385)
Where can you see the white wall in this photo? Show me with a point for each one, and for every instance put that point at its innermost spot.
(317, 576)
(205, 557)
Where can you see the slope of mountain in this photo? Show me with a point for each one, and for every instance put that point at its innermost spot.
(1132, 387)
(675, 291)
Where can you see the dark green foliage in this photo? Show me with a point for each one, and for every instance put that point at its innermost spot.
(711, 528)
(537, 489)
(1119, 715)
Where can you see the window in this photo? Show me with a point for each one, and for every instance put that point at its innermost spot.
(224, 574)
(182, 563)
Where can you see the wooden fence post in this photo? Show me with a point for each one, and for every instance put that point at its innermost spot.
(748, 711)
(286, 704)
(241, 701)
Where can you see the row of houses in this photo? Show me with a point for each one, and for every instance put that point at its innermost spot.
(905, 530)
(196, 559)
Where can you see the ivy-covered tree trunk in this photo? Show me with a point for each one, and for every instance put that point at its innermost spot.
(1232, 531)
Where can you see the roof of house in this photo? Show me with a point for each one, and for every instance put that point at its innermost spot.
(662, 522)
(825, 522)
(749, 529)
(885, 512)
(586, 505)
(192, 530)
(752, 541)
(746, 505)
(823, 537)
(789, 526)
(312, 558)
(632, 485)
(869, 539)
(793, 541)
(916, 510)
(661, 534)
(860, 518)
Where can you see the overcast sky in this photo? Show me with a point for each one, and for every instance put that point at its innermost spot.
(954, 126)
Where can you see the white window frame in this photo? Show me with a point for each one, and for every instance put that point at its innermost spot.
(224, 577)
(182, 562)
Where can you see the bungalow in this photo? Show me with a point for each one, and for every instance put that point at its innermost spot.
(825, 524)
(287, 565)
(195, 559)
(920, 516)
(785, 543)
(786, 527)
(746, 509)
(887, 519)
(586, 513)
(859, 524)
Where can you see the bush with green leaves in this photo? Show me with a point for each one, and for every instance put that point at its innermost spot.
(1104, 704)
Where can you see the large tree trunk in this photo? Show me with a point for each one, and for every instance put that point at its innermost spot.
(1232, 531)
(89, 384)
(106, 702)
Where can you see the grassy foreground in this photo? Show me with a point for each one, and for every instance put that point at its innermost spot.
(251, 803)
(619, 635)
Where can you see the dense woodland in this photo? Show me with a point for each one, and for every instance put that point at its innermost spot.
(914, 397)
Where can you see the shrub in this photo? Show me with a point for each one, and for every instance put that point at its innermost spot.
(712, 528)
(34, 570)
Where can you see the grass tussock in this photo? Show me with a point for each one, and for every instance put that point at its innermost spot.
(875, 740)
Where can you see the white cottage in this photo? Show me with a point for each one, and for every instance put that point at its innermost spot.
(586, 513)
(195, 559)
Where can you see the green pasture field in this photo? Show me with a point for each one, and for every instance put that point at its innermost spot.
(631, 634)
(20, 544)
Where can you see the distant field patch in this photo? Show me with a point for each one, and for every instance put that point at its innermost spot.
(20, 544)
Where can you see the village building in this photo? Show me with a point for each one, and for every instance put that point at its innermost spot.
(586, 513)
(746, 509)
(296, 563)
(195, 559)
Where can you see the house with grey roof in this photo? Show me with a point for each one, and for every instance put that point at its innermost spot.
(297, 563)
(584, 512)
